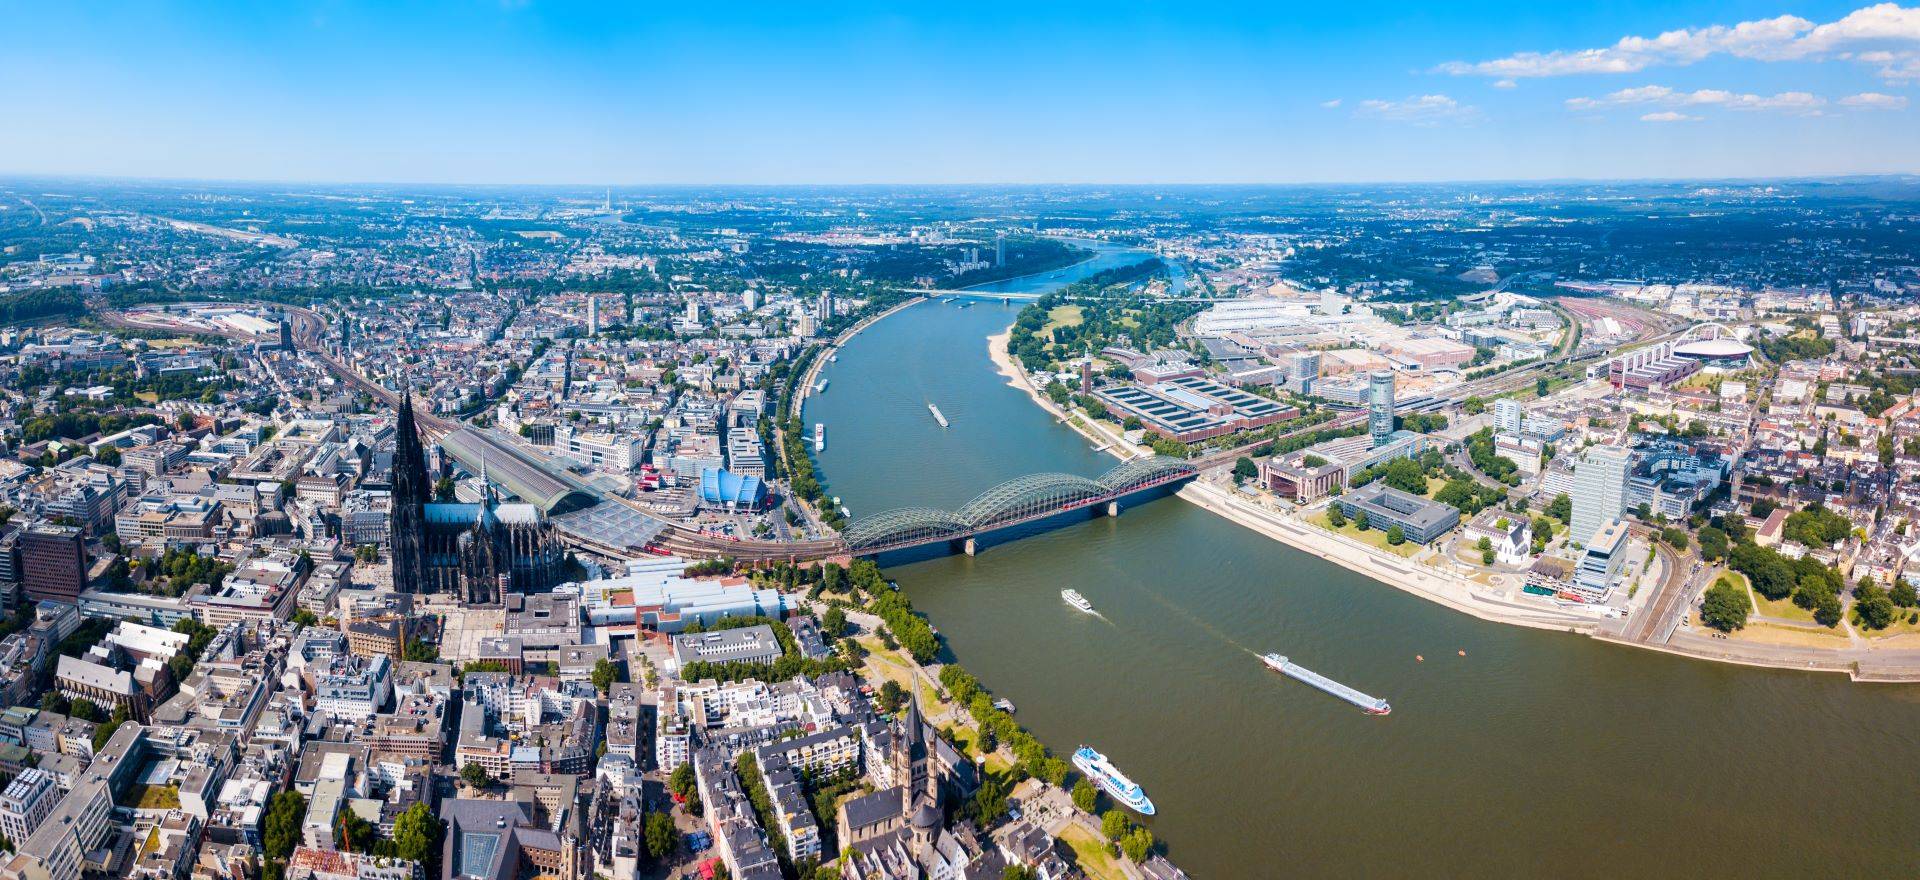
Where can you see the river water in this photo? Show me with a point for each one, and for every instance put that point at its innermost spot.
(1536, 753)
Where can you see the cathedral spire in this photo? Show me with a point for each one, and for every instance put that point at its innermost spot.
(408, 517)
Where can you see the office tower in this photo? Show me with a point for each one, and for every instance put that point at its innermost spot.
(593, 315)
(1303, 365)
(1000, 250)
(1599, 491)
(1507, 417)
(408, 518)
(826, 307)
(53, 562)
(286, 334)
(693, 311)
(1380, 406)
(750, 300)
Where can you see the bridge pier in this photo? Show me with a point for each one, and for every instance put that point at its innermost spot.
(971, 546)
(1113, 507)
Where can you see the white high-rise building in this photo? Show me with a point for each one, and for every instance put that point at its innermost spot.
(750, 300)
(693, 311)
(1508, 418)
(1599, 491)
(593, 316)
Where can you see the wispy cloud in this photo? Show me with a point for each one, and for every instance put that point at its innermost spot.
(1330, 104)
(1668, 116)
(1886, 35)
(1419, 109)
(1803, 103)
(1874, 101)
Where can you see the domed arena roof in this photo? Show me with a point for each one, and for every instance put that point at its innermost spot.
(1714, 349)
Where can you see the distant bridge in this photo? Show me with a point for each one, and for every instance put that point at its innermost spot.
(1033, 501)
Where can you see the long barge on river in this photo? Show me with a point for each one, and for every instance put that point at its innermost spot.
(1368, 703)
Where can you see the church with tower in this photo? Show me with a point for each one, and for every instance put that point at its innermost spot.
(904, 818)
(478, 551)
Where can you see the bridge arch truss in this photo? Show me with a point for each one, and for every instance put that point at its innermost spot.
(1029, 496)
(902, 527)
(1017, 500)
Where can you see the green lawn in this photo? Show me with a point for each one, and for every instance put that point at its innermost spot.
(1062, 316)
(153, 797)
(1372, 537)
(1090, 853)
(1782, 609)
(968, 738)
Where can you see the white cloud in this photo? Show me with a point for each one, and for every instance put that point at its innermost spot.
(1420, 109)
(1330, 104)
(1874, 101)
(1785, 102)
(1504, 84)
(1888, 32)
(1668, 116)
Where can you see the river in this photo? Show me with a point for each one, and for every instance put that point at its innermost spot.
(1534, 753)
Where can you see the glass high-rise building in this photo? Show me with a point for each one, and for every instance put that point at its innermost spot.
(1380, 406)
(1599, 490)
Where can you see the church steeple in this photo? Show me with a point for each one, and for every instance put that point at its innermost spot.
(408, 517)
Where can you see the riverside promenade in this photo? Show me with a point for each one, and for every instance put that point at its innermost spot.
(1862, 663)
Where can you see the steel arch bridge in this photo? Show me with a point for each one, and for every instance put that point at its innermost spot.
(1016, 501)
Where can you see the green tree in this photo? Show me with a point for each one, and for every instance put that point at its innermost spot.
(1827, 610)
(682, 781)
(1244, 469)
(280, 829)
(1114, 824)
(663, 839)
(105, 731)
(416, 834)
(1726, 606)
(1713, 543)
(1335, 518)
(1396, 535)
(1137, 845)
(891, 696)
(834, 623)
(354, 833)
(1561, 508)
(989, 802)
(1085, 796)
(1903, 594)
(605, 674)
(1360, 520)
(475, 775)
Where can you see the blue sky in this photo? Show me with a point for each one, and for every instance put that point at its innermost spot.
(978, 92)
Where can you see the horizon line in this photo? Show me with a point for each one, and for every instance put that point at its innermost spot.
(288, 181)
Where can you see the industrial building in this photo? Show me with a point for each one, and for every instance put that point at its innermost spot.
(1191, 408)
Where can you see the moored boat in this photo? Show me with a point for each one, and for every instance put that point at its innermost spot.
(1112, 781)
